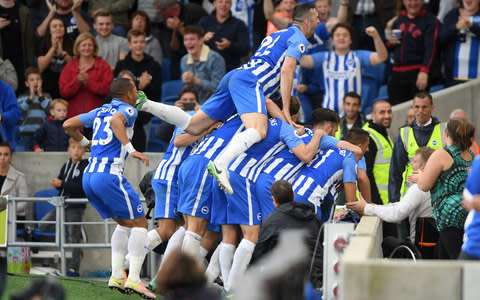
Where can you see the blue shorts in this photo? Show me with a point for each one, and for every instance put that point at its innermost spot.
(166, 196)
(195, 187)
(239, 92)
(112, 196)
(219, 206)
(242, 205)
(263, 194)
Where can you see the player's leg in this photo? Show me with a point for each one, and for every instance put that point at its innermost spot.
(209, 241)
(243, 254)
(194, 235)
(227, 250)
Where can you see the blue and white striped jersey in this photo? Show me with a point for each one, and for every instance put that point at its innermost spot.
(267, 61)
(317, 180)
(467, 54)
(107, 153)
(285, 165)
(280, 134)
(342, 74)
(213, 144)
(320, 41)
(167, 169)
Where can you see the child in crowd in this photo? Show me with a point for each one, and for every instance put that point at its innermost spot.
(69, 184)
(34, 107)
(51, 136)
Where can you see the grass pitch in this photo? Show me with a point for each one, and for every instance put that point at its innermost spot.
(76, 289)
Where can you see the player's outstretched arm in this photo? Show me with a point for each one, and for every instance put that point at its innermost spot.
(270, 15)
(286, 84)
(306, 152)
(117, 123)
(72, 127)
(352, 148)
(364, 185)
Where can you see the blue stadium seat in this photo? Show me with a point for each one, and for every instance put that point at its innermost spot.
(155, 144)
(436, 88)
(166, 69)
(372, 79)
(171, 89)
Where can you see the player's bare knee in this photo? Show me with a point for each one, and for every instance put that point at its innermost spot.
(140, 222)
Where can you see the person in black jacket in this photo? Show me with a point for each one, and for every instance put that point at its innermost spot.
(148, 77)
(69, 185)
(51, 136)
(290, 214)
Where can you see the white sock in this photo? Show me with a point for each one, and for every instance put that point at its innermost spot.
(137, 249)
(203, 252)
(213, 269)
(153, 239)
(119, 243)
(238, 144)
(175, 242)
(241, 259)
(225, 258)
(191, 244)
(169, 113)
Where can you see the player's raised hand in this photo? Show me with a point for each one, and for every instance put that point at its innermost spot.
(141, 156)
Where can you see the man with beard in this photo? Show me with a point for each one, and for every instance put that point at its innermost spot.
(69, 11)
(352, 103)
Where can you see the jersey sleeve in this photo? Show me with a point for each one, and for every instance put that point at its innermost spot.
(129, 112)
(289, 136)
(179, 131)
(349, 168)
(471, 186)
(87, 118)
(362, 164)
(322, 32)
(297, 46)
(328, 142)
(364, 57)
(319, 58)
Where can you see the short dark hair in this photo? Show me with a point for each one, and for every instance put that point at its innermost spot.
(378, 102)
(102, 13)
(353, 95)
(342, 25)
(194, 29)
(356, 136)
(120, 87)
(134, 33)
(282, 191)
(301, 12)
(188, 89)
(424, 94)
(148, 25)
(294, 104)
(6, 144)
(31, 70)
(322, 115)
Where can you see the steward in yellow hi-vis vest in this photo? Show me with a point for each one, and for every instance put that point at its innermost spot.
(381, 164)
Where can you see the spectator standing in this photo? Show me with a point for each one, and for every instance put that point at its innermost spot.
(9, 114)
(85, 80)
(352, 103)
(289, 214)
(225, 34)
(424, 131)
(459, 36)
(379, 151)
(8, 73)
(177, 15)
(444, 176)
(51, 136)
(243, 10)
(148, 74)
(56, 51)
(34, 106)
(365, 13)
(16, 29)
(12, 181)
(119, 10)
(111, 47)
(342, 67)
(76, 20)
(69, 184)
(140, 21)
(414, 54)
(471, 201)
(202, 67)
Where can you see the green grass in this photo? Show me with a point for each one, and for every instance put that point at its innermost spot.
(76, 289)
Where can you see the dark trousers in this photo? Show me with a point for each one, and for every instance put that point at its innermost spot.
(403, 86)
(449, 243)
(466, 256)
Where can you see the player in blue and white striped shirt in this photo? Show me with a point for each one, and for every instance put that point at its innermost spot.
(106, 187)
(342, 67)
(243, 91)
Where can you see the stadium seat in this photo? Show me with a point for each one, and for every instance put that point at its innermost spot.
(372, 79)
(155, 144)
(166, 69)
(171, 89)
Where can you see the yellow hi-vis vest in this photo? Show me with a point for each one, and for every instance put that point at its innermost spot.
(381, 167)
(410, 145)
